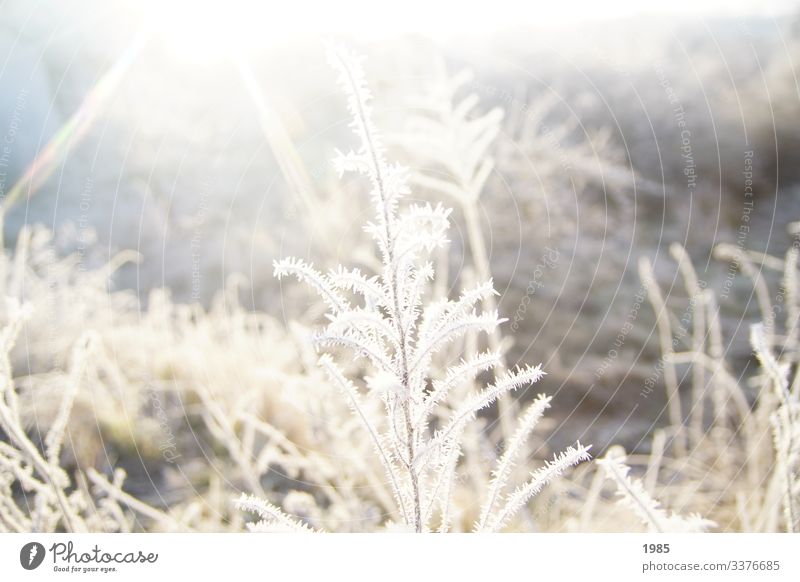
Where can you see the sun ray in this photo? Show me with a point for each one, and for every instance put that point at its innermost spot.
(74, 130)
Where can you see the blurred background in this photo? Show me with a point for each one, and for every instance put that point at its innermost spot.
(199, 135)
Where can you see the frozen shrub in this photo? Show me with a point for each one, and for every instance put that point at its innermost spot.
(386, 321)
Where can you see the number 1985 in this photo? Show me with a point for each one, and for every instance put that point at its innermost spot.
(656, 548)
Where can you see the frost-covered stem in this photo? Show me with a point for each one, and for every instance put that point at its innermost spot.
(219, 424)
(477, 245)
(697, 297)
(634, 496)
(270, 514)
(349, 391)
(10, 423)
(760, 287)
(790, 284)
(117, 494)
(513, 448)
(665, 339)
(18, 438)
(782, 423)
(784, 445)
(539, 478)
(716, 354)
(412, 472)
(391, 275)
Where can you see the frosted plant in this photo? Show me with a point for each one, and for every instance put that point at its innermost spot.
(21, 460)
(50, 500)
(633, 495)
(385, 321)
(273, 519)
(458, 140)
(785, 422)
(725, 456)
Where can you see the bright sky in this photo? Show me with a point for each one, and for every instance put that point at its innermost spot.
(405, 15)
(198, 26)
(465, 16)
